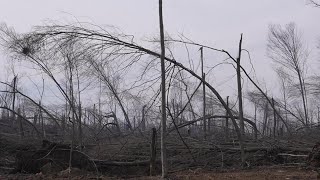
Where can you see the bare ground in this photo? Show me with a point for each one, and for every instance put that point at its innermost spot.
(261, 173)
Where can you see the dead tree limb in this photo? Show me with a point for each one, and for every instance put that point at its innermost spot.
(218, 116)
(35, 103)
(243, 70)
(23, 118)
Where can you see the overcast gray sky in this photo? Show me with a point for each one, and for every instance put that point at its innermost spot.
(217, 23)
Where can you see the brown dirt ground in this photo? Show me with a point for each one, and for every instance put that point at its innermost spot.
(262, 173)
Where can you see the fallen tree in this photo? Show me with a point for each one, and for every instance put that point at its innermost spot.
(253, 125)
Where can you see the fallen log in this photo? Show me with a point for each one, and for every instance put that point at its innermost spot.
(56, 156)
(293, 155)
(118, 163)
(253, 125)
(31, 161)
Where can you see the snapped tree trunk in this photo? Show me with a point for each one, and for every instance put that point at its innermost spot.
(204, 107)
(14, 98)
(20, 124)
(265, 121)
(240, 88)
(42, 122)
(227, 121)
(204, 96)
(153, 151)
(80, 125)
(143, 121)
(274, 120)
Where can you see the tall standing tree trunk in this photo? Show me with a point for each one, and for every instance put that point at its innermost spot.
(163, 97)
(115, 120)
(274, 120)
(42, 122)
(318, 115)
(304, 96)
(255, 113)
(80, 126)
(153, 150)
(63, 125)
(285, 100)
(67, 112)
(94, 117)
(265, 121)
(227, 121)
(180, 103)
(204, 97)
(72, 144)
(71, 94)
(134, 122)
(209, 122)
(14, 99)
(241, 135)
(80, 111)
(143, 121)
(204, 108)
(240, 89)
(20, 124)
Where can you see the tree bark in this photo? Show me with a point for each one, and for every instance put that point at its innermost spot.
(163, 97)
(204, 95)
(143, 121)
(153, 151)
(20, 124)
(303, 95)
(318, 115)
(274, 120)
(265, 121)
(227, 121)
(240, 88)
(14, 98)
(80, 125)
(204, 107)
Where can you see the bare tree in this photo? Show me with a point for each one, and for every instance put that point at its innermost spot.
(102, 75)
(240, 88)
(286, 48)
(204, 96)
(163, 97)
(96, 43)
(14, 98)
(284, 82)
